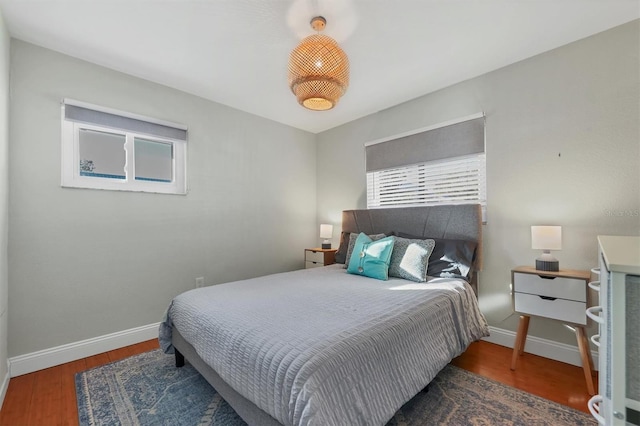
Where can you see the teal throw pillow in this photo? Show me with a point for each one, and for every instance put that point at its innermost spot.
(371, 258)
(352, 242)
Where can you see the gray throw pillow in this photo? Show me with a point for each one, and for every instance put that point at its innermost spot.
(410, 259)
(341, 254)
(352, 242)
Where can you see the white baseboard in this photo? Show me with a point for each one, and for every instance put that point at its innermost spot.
(541, 347)
(46, 358)
(5, 385)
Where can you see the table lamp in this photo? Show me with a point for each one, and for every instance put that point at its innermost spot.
(326, 232)
(546, 238)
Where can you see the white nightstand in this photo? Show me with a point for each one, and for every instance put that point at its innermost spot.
(315, 257)
(561, 296)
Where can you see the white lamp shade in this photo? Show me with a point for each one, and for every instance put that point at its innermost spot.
(326, 231)
(546, 237)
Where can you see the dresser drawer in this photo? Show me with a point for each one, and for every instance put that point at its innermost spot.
(560, 309)
(558, 287)
(308, 265)
(314, 256)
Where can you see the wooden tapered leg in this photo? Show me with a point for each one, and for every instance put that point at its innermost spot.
(521, 338)
(587, 360)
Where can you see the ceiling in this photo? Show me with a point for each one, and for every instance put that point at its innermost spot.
(235, 52)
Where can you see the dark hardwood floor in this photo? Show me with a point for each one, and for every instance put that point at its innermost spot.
(553, 380)
(48, 397)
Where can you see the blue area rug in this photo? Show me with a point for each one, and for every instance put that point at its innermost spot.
(148, 389)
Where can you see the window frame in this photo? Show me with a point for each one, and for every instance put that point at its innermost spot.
(70, 164)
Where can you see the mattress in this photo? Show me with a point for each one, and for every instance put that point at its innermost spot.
(321, 346)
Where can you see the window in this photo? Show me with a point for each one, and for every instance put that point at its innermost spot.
(107, 149)
(454, 181)
(445, 165)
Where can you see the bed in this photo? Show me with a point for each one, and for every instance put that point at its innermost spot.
(323, 346)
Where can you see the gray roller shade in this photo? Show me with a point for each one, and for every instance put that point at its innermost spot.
(114, 121)
(455, 140)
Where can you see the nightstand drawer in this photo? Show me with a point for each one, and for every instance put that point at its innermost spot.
(308, 265)
(558, 287)
(314, 256)
(560, 309)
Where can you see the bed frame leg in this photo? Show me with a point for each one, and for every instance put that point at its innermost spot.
(179, 358)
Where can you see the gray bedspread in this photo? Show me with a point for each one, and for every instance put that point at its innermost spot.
(323, 347)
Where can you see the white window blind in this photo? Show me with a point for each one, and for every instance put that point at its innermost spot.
(452, 181)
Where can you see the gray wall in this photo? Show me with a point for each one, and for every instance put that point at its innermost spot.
(84, 263)
(563, 147)
(4, 192)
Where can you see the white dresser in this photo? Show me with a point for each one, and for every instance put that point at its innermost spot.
(618, 316)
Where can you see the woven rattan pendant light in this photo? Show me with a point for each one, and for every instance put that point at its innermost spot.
(318, 70)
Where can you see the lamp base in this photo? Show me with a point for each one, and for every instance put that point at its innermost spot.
(547, 265)
(326, 245)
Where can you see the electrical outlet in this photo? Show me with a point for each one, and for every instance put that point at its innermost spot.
(199, 282)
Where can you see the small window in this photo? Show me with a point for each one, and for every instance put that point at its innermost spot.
(106, 149)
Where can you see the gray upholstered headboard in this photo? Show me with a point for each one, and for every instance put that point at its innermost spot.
(461, 222)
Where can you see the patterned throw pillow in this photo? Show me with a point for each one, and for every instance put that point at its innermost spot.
(452, 259)
(371, 258)
(352, 241)
(410, 259)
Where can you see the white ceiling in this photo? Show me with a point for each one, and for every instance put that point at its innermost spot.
(235, 52)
